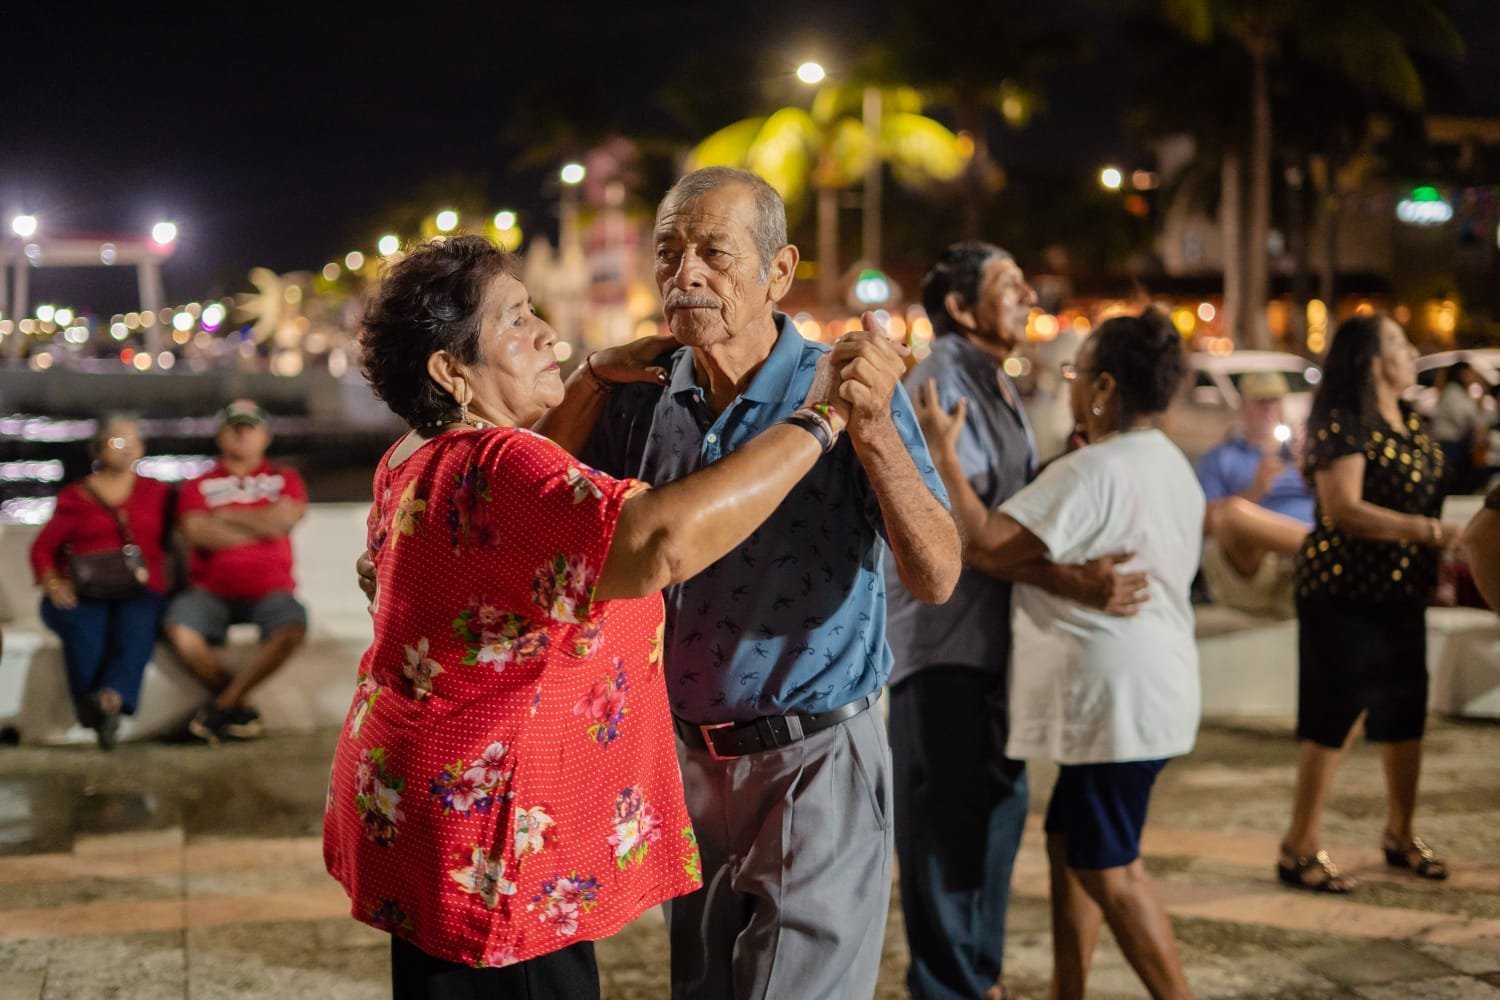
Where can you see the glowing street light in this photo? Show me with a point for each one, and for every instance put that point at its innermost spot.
(24, 226)
(505, 220)
(811, 73)
(1110, 178)
(572, 173)
(164, 233)
(447, 220)
(354, 260)
(388, 245)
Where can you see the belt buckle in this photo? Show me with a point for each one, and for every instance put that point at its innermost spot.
(704, 729)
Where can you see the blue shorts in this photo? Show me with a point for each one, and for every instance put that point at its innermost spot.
(1101, 809)
(210, 616)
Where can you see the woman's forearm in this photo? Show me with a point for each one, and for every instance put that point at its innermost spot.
(1363, 519)
(669, 534)
(993, 542)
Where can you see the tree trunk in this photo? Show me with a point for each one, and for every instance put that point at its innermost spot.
(870, 223)
(1232, 236)
(1299, 229)
(828, 252)
(1253, 330)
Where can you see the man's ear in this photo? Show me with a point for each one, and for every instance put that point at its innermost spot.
(959, 310)
(783, 270)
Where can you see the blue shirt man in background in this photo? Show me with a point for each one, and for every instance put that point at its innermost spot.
(1259, 505)
(774, 654)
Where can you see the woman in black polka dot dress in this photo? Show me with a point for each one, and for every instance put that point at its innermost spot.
(1364, 576)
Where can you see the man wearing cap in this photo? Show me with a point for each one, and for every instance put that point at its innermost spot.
(1259, 506)
(238, 519)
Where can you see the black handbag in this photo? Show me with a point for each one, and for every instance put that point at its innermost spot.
(115, 575)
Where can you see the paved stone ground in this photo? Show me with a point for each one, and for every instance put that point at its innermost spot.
(180, 871)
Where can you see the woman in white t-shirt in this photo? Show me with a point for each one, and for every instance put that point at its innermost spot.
(1109, 698)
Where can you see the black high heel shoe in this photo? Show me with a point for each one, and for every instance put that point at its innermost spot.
(1331, 882)
(1426, 863)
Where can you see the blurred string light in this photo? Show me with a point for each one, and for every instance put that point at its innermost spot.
(164, 233)
(446, 221)
(213, 316)
(331, 271)
(388, 245)
(1110, 178)
(505, 220)
(572, 173)
(1206, 312)
(24, 226)
(354, 260)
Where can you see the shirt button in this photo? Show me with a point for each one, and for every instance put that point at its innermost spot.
(712, 438)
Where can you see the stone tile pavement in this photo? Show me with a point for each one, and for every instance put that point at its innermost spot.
(196, 872)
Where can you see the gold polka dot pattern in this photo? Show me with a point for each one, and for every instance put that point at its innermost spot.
(1403, 470)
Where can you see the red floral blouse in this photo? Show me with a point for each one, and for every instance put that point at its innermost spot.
(506, 783)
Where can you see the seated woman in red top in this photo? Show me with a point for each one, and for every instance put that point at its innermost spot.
(506, 788)
(106, 641)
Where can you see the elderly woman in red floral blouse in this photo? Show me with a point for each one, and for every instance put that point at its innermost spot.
(506, 788)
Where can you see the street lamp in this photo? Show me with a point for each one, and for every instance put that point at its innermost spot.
(24, 226)
(1110, 178)
(164, 233)
(572, 173)
(811, 73)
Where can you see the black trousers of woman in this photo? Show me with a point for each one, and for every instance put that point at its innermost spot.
(569, 974)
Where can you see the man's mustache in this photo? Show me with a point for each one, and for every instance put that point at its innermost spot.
(687, 300)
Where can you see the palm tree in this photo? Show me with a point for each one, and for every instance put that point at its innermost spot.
(1370, 44)
(826, 149)
(981, 60)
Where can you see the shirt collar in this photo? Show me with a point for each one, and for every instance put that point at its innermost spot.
(772, 382)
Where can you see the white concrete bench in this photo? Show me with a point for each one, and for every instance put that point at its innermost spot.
(312, 690)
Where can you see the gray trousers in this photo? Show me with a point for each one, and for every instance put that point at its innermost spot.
(797, 854)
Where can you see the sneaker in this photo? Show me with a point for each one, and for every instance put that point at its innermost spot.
(240, 722)
(205, 724)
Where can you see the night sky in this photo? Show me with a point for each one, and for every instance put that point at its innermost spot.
(277, 134)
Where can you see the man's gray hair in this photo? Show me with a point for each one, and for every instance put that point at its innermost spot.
(770, 211)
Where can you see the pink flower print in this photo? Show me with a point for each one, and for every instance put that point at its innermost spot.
(583, 485)
(564, 588)
(561, 901)
(587, 639)
(637, 826)
(420, 669)
(378, 797)
(491, 765)
(500, 957)
(366, 693)
(531, 830)
(603, 705)
(484, 877)
(496, 638)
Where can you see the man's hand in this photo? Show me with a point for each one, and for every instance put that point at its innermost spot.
(824, 392)
(1271, 466)
(869, 365)
(1099, 584)
(60, 592)
(939, 427)
(632, 362)
(364, 569)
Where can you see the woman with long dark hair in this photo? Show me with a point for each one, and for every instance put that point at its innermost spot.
(1364, 576)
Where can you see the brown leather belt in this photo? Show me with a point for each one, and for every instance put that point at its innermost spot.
(724, 740)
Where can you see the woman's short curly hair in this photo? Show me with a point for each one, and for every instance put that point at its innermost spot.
(428, 301)
(1144, 354)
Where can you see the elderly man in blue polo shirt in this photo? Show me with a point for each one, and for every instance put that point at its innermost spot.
(775, 653)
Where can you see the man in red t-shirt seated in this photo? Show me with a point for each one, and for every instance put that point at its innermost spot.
(238, 519)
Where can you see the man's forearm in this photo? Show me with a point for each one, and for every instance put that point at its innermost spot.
(271, 521)
(923, 537)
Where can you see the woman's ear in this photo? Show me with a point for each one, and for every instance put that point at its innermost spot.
(449, 375)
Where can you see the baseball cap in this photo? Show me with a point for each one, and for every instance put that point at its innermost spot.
(1263, 386)
(242, 411)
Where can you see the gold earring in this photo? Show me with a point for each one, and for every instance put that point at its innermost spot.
(1097, 410)
(463, 414)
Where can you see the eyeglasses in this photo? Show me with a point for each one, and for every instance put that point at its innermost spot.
(1069, 371)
